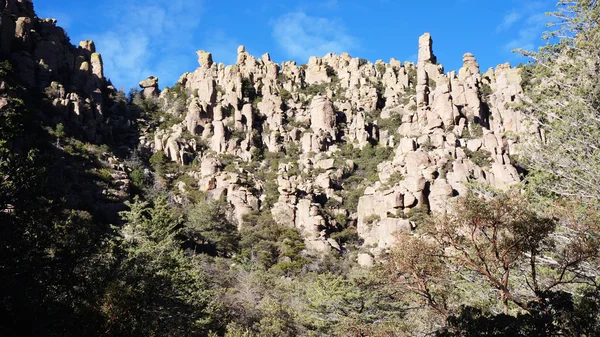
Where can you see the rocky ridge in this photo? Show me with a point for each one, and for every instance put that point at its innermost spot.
(71, 78)
(438, 132)
(336, 147)
(65, 85)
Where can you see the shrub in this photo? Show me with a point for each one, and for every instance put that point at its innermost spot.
(138, 178)
(380, 68)
(330, 72)
(347, 235)
(484, 92)
(285, 95)
(480, 158)
(412, 77)
(369, 220)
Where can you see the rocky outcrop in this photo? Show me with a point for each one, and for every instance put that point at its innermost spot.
(470, 67)
(314, 121)
(149, 87)
(322, 115)
(339, 144)
(71, 77)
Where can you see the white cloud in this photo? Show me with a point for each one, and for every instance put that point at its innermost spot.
(126, 56)
(302, 36)
(530, 31)
(147, 40)
(509, 20)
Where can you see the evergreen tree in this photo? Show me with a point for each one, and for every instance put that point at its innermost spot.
(563, 98)
(157, 289)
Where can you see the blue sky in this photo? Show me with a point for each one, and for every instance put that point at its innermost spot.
(138, 38)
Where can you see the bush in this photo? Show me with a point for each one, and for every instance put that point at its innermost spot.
(380, 67)
(138, 178)
(248, 89)
(369, 220)
(484, 92)
(482, 158)
(208, 226)
(412, 77)
(285, 95)
(269, 245)
(158, 161)
(390, 124)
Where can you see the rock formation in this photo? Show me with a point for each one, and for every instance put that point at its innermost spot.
(334, 144)
(45, 61)
(443, 130)
(149, 87)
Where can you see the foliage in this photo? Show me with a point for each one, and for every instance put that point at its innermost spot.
(391, 124)
(267, 244)
(380, 68)
(500, 242)
(482, 158)
(347, 235)
(412, 77)
(50, 240)
(352, 197)
(367, 159)
(485, 91)
(564, 101)
(561, 317)
(155, 271)
(138, 178)
(248, 90)
(59, 132)
(158, 161)
(315, 89)
(431, 83)
(208, 226)
(285, 95)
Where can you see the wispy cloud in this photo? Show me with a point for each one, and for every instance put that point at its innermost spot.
(302, 36)
(529, 32)
(126, 56)
(148, 41)
(509, 20)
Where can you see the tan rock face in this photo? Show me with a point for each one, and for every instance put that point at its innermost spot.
(23, 28)
(322, 115)
(88, 45)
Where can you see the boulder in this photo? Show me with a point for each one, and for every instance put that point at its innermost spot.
(426, 49)
(204, 59)
(149, 87)
(322, 115)
(365, 260)
(470, 67)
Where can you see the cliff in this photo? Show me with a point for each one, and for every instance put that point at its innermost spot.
(356, 144)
